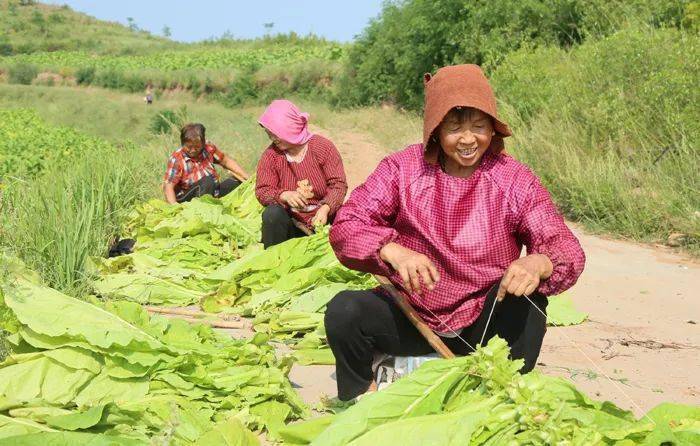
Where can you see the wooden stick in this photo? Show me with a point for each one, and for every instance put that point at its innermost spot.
(193, 314)
(413, 316)
(216, 323)
(405, 306)
(190, 313)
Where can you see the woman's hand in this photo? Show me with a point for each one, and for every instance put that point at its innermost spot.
(321, 217)
(412, 266)
(523, 275)
(293, 199)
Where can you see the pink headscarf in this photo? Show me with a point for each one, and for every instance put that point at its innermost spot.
(284, 119)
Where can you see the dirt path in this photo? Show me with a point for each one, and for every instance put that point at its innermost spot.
(643, 328)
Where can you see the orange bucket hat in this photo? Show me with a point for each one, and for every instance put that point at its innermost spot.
(458, 86)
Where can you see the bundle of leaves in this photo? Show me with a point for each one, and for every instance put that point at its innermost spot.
(482, 399)
(112, 370)
(179, 245)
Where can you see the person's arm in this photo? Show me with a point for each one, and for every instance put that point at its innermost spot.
(554, 259)
(336, 184)
(227, 162)
(169, 192)
(236, 170)
(364, 225)
(267, 181)
(363, 235)
(173, 175)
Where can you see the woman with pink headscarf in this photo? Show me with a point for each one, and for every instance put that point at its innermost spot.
(300, 175)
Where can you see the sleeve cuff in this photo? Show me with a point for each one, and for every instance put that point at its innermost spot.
(550, 285)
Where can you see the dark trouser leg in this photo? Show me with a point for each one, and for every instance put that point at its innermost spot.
(522, 326)
(227, 186)
(358, 323)
(205, 186)
(277, 226)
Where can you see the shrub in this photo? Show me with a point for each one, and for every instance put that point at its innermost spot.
(22, 73)
(85, 75)
(241, 90)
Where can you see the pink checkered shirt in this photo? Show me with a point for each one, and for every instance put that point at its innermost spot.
(472, 229)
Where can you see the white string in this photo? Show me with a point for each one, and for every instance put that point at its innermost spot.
(600, 370)
(448, 327)
(488, 321)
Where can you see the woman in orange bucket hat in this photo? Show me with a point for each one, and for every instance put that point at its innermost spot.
(446, 221)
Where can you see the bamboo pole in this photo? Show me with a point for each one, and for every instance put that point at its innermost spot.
(402, 301)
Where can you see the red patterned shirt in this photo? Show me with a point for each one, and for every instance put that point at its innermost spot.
(322, 166)
(471, 229)
(183, 171)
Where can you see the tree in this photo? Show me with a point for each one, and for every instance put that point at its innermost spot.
(166, 31)
(132, 24)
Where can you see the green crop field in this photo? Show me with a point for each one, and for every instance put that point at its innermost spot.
(204, 58)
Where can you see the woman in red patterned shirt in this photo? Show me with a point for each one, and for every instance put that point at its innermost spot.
(446, 221)
(300, 175)
(191, 173)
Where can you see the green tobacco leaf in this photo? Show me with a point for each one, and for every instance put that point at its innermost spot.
(10, 427)
(77, 420)
(305, 432)
(322, 356)
(70, 439)
(445, 429)
(562, 312)
(52, 313)
(229, 433)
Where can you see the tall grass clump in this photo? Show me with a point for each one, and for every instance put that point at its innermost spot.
(612, 127)
(56, 220)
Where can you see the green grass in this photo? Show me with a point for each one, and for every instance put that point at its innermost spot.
(612, 127)
(55, 218)
(41, 27)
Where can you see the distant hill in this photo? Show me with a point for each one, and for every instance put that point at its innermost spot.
(27, 26)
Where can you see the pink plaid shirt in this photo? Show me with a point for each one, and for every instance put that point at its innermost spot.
(471, 228)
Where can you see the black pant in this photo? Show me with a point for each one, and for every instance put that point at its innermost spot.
(360, 323)
(277, 226)
(209, 186)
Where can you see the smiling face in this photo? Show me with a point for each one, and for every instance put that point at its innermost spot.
(465, 135)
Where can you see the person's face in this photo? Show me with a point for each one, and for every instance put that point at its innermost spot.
(279, 143)
(193, 148)
(465, 138)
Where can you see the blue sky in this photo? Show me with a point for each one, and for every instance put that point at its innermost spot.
(201, 19)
